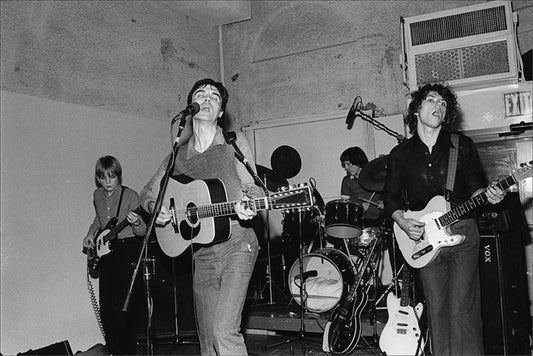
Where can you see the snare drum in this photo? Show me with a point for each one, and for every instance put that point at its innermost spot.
(343, 219)
(331, 273)
(368, 235)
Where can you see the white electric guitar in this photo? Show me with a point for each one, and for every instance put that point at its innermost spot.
(401, 335)
(437, 222)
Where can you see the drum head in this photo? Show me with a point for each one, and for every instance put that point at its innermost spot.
(330, 273)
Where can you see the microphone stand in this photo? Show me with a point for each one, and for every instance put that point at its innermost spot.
(303, 298)
(378, 125)
(144, 250)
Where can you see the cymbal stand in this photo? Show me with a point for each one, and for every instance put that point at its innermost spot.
(303, 295)
(269, 256)
(376, 266)
(372, 263)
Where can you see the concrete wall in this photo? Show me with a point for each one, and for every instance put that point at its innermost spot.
(136, 57)
(293, 58)
(298, 58)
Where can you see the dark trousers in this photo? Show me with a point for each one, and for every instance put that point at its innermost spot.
(451, 288)
(117, 270)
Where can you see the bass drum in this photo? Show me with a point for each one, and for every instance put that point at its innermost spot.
(329, 274)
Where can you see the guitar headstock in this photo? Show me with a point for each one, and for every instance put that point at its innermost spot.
(525, 171)
(292, 197)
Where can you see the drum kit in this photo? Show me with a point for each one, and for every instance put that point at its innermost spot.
(328, 246)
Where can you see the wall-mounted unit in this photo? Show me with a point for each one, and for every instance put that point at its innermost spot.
(468, 47)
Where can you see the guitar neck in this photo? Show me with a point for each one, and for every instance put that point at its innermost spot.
(406, 282)
(119, 227)
(228, 208)
(468, 206)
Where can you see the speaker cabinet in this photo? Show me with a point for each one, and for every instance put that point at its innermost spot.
(171, 291)
(504, 293)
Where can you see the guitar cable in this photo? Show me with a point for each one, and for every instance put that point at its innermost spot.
(96, 307)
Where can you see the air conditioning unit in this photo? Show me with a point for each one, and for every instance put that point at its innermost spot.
(468, 47)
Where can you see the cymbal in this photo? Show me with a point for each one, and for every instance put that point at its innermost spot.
(272, 180)
(372, 176)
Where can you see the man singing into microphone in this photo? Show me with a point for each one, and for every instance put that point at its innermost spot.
(223, 270)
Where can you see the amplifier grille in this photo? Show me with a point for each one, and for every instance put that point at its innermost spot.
(460, 63)
(458, 26)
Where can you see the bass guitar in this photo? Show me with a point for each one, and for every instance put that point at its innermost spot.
(101, 243)
(418, 253)
(401, 335)
(201, 214)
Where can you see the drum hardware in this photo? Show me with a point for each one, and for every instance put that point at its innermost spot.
(267, 181)
(369, 255)
(376, 260)
(318, 197)
(302, 277)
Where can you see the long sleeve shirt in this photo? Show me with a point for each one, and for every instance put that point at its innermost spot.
(422, 175)
(106, 209)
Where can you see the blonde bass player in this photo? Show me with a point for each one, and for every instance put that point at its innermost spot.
(417, 172)
(115, 247)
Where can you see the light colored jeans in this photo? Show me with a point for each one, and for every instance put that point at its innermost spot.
(221, 276)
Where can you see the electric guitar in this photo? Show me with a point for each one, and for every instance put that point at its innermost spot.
(401, 334)
(201, 214)
(343, 329)
(437, 233)
(101, 243)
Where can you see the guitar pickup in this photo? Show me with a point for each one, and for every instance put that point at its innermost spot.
(174, 218)
(422, 252)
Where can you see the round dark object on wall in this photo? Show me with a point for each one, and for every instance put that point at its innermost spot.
(286, 161)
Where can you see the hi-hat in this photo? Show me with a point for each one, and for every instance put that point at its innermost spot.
(272, 180)
(372, 176)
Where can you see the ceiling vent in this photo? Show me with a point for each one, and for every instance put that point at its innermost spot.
(468, 47)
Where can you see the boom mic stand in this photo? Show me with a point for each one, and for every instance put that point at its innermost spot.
(378, 125)
(182, 116)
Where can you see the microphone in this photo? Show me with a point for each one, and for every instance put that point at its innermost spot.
(190, 110)
(352, 113)
(307, 274)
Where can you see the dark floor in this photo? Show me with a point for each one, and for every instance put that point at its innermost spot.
(284, 344)
(276, 329)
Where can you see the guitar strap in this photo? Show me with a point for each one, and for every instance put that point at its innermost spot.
(231, 138)
(452, 166)
(120, 201)
(452, 169)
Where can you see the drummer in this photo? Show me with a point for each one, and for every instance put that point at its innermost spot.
(353, 160)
